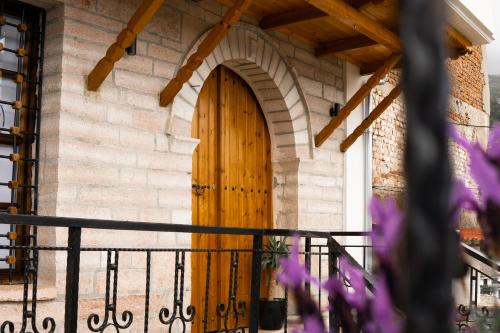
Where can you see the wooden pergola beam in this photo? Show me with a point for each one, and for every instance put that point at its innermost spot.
(214, 37)
(361, 4)
(281, 20)
(342, 45)
(356, 99)
(360, 22)
(370, 68)
(457, 40)
(368, 121)
(144, 13)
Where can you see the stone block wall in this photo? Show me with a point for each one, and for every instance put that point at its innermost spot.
(114, 154)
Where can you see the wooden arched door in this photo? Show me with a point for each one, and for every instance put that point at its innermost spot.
(233, 161)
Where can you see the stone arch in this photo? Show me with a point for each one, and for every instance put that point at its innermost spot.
(251, 54)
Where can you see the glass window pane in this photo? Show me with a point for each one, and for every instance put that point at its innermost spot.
(7, 93)
(9, 36)
(5, 173)
(4, 228)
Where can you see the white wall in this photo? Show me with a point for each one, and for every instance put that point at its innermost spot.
(357, 164)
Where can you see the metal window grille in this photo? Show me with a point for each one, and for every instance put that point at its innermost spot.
(21, 58)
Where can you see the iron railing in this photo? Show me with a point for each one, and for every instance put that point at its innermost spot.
(479, 308)
(320, 251)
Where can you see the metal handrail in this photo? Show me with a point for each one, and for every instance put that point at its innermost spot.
(480, 256)
(71, 222)
(74, 249)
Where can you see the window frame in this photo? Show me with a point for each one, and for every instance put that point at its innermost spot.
(29, 91)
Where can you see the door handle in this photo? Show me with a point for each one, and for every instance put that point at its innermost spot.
(198, 189)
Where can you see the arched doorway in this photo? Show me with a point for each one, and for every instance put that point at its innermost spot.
(232, 169)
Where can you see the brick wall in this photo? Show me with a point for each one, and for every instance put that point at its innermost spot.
(467, 78)
(466, 111)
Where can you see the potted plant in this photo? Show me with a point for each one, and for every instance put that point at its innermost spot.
(272, 308)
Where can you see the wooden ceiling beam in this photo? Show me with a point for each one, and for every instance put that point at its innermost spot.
(144, 13)
(214, 37)
(370, 119)
(362, 4)
(367, 69)
(281, 20)
(356, 99)
(359, 22)
(457, 40)
(459, 46)
(343, 45)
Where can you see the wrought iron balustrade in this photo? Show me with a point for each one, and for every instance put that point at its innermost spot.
(480, 308)
(320, 251)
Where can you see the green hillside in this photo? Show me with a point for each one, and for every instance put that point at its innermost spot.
(495, 97)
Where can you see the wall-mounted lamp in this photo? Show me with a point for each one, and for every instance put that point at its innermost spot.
(132, 49)
(335, 109)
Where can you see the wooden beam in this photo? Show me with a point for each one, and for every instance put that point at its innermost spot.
(370, 68)
(361, 4)
(360, 22)
(458, 44)
(356, 99)
(214, 37)
(342, 45)
(379, 109)
(281, 20)
(457, 41)
(139, 20)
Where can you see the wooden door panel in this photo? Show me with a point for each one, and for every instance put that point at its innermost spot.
(233, 154)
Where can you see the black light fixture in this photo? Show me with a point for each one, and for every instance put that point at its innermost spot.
(335, 109)
(132, 49)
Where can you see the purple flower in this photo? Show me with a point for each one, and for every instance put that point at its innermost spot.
(384, 318)
(293, 273)
(357, 298)
(462, 198)
(494, 142)
(388, 219)
(483, 168)
(313, 324)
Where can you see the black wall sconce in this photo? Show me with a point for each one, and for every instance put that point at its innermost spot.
(335, 109)
(132, 49)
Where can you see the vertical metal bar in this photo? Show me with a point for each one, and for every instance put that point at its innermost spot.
(333, 323)
(146, 302)
(286, 311)
(364, 257)
(207, 293)
(307, 261)
(475, 281)
(38, 87)
(72, 280)
(255, 286)
(431, 245)
(320, 248)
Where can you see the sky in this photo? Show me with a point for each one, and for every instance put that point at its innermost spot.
(488, 11)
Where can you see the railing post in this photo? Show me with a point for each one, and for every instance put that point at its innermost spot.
(72, 280)
(333, 323)
(473, 287)
(307, 256)
(255, 287)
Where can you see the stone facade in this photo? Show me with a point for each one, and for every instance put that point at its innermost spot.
(116, 154)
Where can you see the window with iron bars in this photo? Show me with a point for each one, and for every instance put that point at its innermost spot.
(21, 58)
